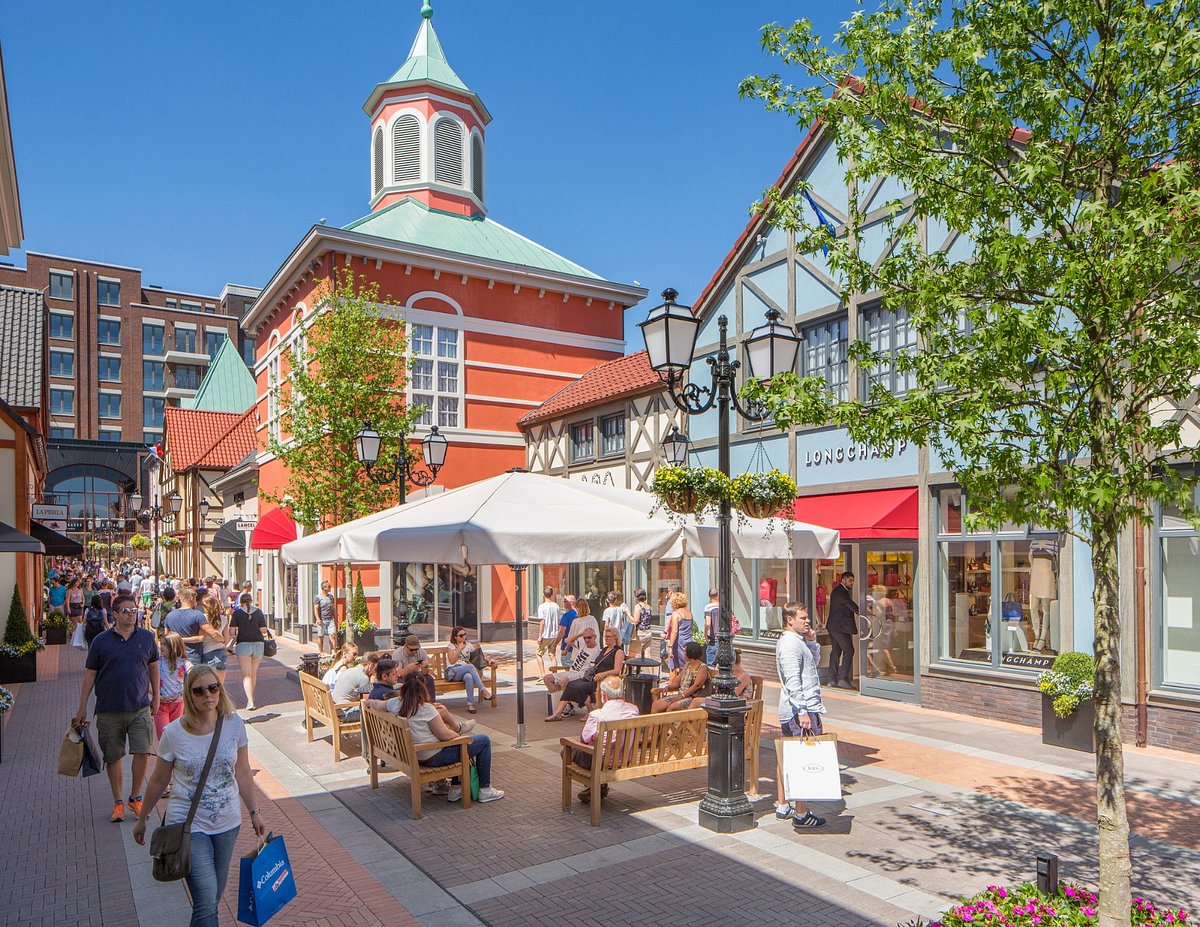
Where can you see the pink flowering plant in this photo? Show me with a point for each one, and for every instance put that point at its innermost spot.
(1025, 906)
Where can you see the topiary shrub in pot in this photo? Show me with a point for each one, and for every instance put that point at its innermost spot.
(18, 652)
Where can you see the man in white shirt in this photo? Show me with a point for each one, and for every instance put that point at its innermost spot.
(797, 657)
(548, 615)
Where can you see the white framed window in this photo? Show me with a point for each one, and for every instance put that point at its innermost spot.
(890, 335)
(448, 152)
(62, 400)
(824, 353)
(189, 305)
(377, 160)
(110, 405)
(273, 429)
(435, 380)
(108, 331)
(62, 362)
(583, 441)
(62, 324)
(612, 435)
(477, 167)
(171, 304)
(62, 284)
(108, 291)
(109, 368)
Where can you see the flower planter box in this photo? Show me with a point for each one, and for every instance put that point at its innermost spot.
(1077, 731)
(364, 641)
(18, 669)
(56, 635)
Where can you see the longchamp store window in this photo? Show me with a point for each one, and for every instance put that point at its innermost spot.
(1179, 600)
(998, 596)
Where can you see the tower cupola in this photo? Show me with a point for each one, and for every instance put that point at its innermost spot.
(427, 132)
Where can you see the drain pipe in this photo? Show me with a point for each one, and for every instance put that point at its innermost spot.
(1140, 636)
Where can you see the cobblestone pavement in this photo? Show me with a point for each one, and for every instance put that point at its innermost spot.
(936, 805)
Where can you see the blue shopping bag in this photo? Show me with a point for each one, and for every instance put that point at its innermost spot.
(266, 882)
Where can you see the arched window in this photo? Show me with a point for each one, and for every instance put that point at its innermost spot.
(377, 155)
(406, 149)
(477, 167)
(447, 152)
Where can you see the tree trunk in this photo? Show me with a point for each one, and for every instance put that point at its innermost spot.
(1115, 867)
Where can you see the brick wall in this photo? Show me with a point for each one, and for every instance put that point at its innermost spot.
(1168, 726)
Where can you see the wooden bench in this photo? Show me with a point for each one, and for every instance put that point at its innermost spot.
(319, 706)
(389, 738)
(756, 687)
(438, 657)
(649, 745)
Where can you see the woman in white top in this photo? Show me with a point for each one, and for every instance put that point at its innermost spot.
(182, 750)
(464, 661)
(346, 657)
(429, 729)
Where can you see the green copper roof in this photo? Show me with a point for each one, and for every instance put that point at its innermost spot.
(426, 60)
(227, 387)
(413, 222)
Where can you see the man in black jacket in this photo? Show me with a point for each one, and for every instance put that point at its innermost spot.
(842, 627)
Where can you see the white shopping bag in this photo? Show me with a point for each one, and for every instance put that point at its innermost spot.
(809, 766)
(77, 639)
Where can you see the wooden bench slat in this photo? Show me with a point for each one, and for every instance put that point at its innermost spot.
(320, 706)
(389, 738)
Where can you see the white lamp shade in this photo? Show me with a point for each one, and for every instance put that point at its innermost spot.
(205, 505)
(670, 332)
(175, 501)
(434, 449)
(772, 349)
(366, 445)
(135, 502)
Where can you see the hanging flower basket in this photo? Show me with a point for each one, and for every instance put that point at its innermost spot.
(140, 542)
(763, 495)
(689, 490)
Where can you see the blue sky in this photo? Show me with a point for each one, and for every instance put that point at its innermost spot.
(198, 141)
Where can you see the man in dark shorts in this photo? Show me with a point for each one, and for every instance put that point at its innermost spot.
(797, 657)
(122, 667)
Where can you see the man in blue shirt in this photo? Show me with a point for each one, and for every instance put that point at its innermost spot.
(192, 625)
(565, 620)
(122, 668)
(57, 596)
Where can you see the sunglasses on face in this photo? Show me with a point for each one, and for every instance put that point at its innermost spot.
(126, 611)
(212, 689)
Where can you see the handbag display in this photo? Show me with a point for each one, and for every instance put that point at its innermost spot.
(1010, 608)
(171, 844)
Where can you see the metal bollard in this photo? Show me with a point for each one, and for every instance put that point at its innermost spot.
(1047, 873)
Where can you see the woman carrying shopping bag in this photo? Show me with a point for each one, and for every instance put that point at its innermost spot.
(183, 751)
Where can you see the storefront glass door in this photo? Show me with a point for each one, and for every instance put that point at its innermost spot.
(888, 647)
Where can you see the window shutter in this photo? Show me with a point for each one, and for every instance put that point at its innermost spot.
(477, 167)
(378, 156)
(447, 153)
(406, 149)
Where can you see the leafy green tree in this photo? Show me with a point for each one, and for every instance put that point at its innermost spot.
(350, 367)
(1058, 137)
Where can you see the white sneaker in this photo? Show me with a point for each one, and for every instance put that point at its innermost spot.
(455, 793)
(465, 727)
(490, 794)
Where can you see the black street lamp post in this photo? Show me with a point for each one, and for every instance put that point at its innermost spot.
(670, 332)
(156, 515)
(402, 469)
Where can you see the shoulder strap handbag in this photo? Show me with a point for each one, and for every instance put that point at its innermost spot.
(171, 844)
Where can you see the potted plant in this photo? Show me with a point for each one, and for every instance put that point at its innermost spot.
(140, 542)
(56, 625)
(689, 490)
(1068, 712)
(763, 495)
(359, 628)
(170, 543)
(18, 652)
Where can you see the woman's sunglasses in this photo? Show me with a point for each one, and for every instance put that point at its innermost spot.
(212, 689)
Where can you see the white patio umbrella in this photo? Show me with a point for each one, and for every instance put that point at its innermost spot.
(519, 518)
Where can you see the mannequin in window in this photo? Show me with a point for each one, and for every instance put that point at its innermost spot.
(1043, 589)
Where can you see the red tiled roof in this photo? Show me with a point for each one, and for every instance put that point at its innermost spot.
(214, 440)
(614, 379)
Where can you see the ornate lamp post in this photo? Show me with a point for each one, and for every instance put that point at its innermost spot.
(670, 332)
(155, 515)
(405, 470)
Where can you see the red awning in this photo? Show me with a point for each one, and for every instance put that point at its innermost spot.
(878, 513)
(273, 530)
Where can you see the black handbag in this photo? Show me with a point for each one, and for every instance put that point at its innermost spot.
(270, 646)
(171, 844)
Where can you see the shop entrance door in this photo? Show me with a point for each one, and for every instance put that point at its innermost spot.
(889, 646)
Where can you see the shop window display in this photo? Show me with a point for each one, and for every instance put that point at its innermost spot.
(889, 594)
(1180, 610)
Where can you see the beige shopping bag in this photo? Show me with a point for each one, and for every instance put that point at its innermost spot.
(70, 754)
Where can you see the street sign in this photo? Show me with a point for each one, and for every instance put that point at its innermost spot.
(246, 524)
(44, 513)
